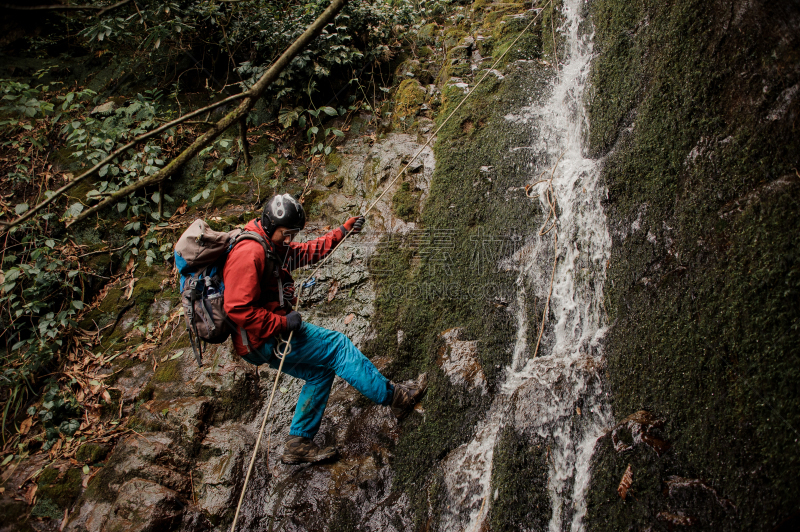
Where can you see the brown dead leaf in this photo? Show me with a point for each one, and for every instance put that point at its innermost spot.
(31, 494)
(182, 208)
(332, 290)
(625, 483)
(129, 291)
(64, 520)
(106, 396)
(349, 318)
(26, 426)
(88, 478)
(55, 448)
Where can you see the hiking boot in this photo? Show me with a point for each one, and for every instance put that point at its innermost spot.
(300, 450)
(408, 395)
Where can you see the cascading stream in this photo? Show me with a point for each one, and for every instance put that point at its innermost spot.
(557, 396)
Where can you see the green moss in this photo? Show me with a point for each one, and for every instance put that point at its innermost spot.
(55, 493)
(332, 162)
(410, 96)
(90, 453)
(146, 288)
(111, 302)
(234, 194)
(405, 203)
(424, 52)
(704, 293)
(453, 36)
(519, 479)
(427, 33)
(168, 371)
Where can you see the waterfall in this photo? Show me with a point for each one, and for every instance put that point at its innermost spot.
(556, 396)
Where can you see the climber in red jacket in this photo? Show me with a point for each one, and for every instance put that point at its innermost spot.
(259, 299)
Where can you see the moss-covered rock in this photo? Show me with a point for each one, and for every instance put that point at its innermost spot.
(409, 98)
(56, 491)
(427, 33)
(703, 278)
(405, 203)
(90, 453)
(519, 481)
(464, 206)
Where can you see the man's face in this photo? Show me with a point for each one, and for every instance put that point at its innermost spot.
(283, 236)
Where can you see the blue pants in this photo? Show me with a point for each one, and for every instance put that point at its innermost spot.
(317, 355)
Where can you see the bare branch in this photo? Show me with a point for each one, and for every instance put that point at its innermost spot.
(8, 225)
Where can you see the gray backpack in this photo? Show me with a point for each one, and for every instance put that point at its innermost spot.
(200, 255)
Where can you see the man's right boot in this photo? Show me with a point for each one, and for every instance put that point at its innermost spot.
(300, 450)
(407, 395)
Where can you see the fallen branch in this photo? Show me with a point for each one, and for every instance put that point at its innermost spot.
(250, 98)
(91, 171)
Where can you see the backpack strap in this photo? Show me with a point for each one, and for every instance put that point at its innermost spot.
(271, 257)
(191, 327)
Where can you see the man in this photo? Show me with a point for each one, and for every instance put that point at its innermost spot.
(259, 299)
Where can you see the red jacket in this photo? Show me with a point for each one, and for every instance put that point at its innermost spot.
(251, 293)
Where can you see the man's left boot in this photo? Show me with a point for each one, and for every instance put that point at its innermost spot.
(300, 450)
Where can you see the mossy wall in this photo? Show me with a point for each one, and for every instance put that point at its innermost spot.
(695, 104)
(447, 275)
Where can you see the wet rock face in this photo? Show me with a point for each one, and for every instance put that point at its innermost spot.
(701, 279)
(459, 361)
(196, 427)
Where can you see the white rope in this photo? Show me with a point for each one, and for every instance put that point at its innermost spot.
(322, 262)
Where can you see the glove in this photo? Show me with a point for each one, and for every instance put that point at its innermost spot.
(293, 321)
(355, 223)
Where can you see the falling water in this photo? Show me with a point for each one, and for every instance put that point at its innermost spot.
(557, 395)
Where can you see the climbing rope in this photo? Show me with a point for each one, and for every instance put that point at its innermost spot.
(347, 235)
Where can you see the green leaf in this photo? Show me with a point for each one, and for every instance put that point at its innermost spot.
(121, 206)
(156, 197)
(327, 150)
(284, 390)
(77, 304)
(7, 460)
(330, 111)
(22, 207)
(75, 209)
(176, 355)
(50, 243)
(337, 133)
(86, 470)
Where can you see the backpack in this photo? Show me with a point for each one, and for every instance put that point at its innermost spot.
(200, 255)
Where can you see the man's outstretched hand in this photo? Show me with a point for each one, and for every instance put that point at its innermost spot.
(293, 320)
(355, 223)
